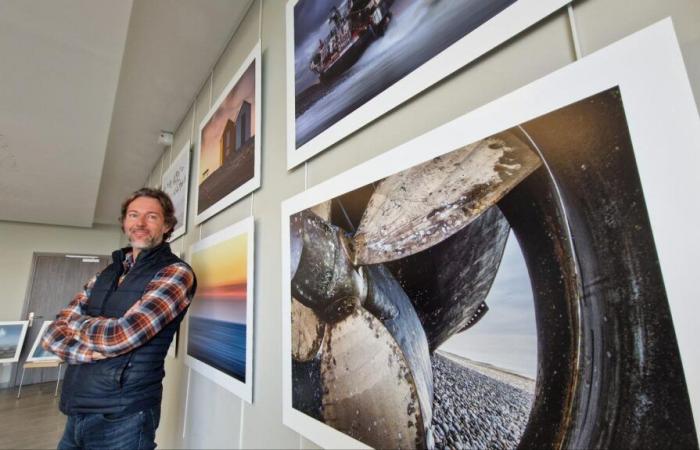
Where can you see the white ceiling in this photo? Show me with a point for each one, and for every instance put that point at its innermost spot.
(85, 88)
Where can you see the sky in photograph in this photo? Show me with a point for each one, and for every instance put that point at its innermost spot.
(244, 90)
(506, 336)
(9, 334)
(221, 280)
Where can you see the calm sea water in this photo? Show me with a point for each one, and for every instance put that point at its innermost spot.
(40, 352)
(220, 344)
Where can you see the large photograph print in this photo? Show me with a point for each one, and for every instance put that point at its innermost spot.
(228, 148)
(220, 324)
(175, 183)
(350, 61)
(520, 277)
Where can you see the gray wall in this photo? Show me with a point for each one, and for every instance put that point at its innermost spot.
(19, 241)
(216, 418)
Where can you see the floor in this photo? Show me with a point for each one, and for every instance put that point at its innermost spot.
(33, 421)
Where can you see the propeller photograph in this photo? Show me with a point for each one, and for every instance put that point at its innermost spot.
(383, 276)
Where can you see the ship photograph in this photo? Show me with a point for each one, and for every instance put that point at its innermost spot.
(349, 51)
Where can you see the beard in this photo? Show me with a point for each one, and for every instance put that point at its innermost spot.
(144, 243)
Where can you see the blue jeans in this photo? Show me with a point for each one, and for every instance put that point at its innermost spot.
(111, 431)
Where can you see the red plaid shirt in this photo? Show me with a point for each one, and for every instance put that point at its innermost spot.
(77, 338)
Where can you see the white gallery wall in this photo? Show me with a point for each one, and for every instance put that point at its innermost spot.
(200, 414)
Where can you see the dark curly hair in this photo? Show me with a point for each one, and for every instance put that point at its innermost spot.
(165, 203)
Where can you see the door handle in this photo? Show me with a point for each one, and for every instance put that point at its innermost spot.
(31, 317)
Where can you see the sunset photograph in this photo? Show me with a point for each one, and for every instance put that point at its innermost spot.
(217, 323)
(228, 152)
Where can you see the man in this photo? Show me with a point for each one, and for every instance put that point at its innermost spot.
(116, 332)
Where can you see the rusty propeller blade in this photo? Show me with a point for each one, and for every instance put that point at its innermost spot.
(415, 209)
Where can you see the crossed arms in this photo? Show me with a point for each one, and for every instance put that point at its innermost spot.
(78, 338)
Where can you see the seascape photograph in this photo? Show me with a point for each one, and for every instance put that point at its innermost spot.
(11, 340)
(218, 315)
(39, 353)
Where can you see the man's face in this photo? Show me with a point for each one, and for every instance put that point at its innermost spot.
(144, 223)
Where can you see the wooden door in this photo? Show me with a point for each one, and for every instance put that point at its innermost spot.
(55, 280)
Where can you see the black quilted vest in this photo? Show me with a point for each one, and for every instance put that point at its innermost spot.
(132, 381)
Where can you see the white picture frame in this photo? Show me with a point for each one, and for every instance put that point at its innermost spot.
(503, 26)
(176, 182)
(223, 200)
(241, 388)
(648, 69)
(12, 334)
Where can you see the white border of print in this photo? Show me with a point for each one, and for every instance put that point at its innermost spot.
(254, 183)
(242, 390)
(661, 114)
(20, 344)
(182, 159)
(173, 347)
(509, 22)
(37, 342)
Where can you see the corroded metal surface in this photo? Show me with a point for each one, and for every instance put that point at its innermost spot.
(630, 390)
(307, 392)
(538, 223)
(407, 331)
(344, 376)
(415, 209)
(296, 244)
(325, 279)
(307, 332)
(448, 282)
(369, 391)
(322, 210)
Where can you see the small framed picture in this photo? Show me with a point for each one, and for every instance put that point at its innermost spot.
(39, 353)
(11, 340)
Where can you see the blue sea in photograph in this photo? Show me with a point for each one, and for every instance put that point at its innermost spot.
(41, 352)
(219, 344)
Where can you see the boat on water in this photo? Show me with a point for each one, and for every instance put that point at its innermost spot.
(353, 26)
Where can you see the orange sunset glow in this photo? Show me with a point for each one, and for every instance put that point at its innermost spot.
(223, 264)
(221, 280)
(236, 291)
(244, 90)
